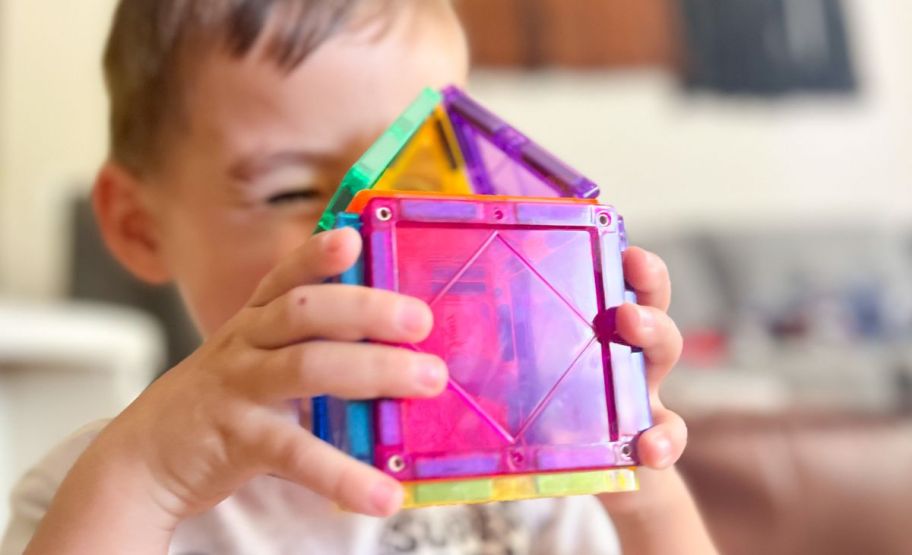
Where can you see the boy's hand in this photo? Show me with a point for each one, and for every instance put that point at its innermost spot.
(648, 326)
(223, 415)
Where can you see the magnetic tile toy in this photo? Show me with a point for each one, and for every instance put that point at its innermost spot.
(542, 400)
(375, 161)
(346, 424)
(364, 197)
(535, 372)
(522, 269)
(503, 161)
(446, 142)
(431, 161)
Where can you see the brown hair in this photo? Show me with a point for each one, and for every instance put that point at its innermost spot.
(146, 61)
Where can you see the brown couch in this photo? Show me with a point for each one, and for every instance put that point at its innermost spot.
(804, 484)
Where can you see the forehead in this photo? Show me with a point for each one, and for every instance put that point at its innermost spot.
(341, 97)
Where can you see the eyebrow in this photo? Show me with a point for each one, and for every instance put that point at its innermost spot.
(251, 167)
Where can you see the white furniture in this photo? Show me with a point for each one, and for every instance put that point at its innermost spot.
(62, 366)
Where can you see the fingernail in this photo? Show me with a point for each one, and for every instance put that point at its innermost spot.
(647, 319)
(385, 498)
(432, 375)
(412, 316)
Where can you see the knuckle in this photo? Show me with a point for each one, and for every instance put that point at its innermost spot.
(353, 306)
(338, 483)
(682, 428)
(298, 362)
(297, 454)
(396, 366)
(303, 357)
(232, 373)
(377, 308)
(381, 362)
(222, 362)
(391, 371)
(236, 435)
(678, 341)
(369, 300)
(301, 361)
(390, 360)
(661, 267)
(291, 454)
(675, 337)
(238, 428)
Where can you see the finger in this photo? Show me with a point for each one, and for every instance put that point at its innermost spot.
(341, 313)
(347, 370)
(662, 445)
(296, 455)
(653, 331)
(648, 276)
(322, 256)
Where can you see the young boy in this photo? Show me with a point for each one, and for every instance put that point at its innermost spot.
(232, 122)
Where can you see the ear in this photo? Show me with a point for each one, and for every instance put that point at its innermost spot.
(127, 223)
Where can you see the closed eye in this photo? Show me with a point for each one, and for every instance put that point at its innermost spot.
(293, 196)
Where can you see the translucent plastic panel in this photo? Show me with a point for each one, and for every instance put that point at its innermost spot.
(514, 306)
(446, 142)
(346, 424)
(505, 174)
(512, 488)
(517, 320)
(502, 161)
(562, 260)
(431, 161)
(375, 160)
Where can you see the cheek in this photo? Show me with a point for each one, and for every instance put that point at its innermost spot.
(222, 265)
(219, 291)
(218, 283)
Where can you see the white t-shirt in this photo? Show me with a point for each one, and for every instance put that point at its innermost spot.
(271, 516)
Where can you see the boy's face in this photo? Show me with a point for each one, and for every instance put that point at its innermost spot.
(263, 151)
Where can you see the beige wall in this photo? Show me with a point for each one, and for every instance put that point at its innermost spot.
(665, 160)
(51, 131)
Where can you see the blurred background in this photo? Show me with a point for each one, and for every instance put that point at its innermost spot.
(763, 147)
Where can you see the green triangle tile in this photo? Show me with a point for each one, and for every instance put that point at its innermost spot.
(368, 169)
